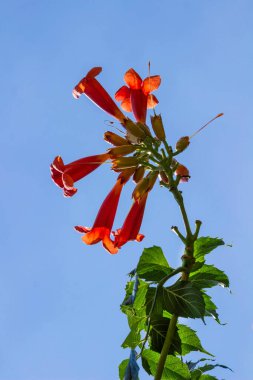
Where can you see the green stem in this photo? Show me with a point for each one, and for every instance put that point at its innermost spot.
(160, 284)
(166, 347)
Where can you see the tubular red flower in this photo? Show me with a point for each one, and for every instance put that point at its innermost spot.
(102, 226)
(137, 96)
(90, 86)
(64, 176)
(132, 224)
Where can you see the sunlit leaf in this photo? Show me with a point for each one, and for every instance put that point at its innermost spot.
(153, 265)
(205, 245)
(174, 368)
(189, 340)
(208, 276)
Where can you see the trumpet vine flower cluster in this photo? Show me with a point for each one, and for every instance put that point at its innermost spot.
(136, 155)
(142, 154)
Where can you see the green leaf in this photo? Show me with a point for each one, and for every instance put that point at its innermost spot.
(208, 276)
(189, 340)
(128, 294)
(205, 245)
(158, 308)
(159, 328)
(184, 300)
(207, 377)
(210, 308)
(174, 368)
(153, 265)
(122, 368)
(210, 367)
(133, 339)
(140, 298)
(196, 374)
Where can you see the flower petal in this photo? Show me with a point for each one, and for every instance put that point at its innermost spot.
(132, 79)
(151, 84)
(95, 71)
(152, 101)
(122, 93)
(126, 105)
(132, 223)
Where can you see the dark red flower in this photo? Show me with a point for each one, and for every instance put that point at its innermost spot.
(102, 226)
(137, 96)
(90, 86)
(132, 224)
(65, 176)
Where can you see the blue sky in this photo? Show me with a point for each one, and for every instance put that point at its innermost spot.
(59, 299)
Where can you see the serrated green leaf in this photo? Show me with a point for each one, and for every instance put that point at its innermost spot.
(140, 298)
(205, 245)
(133, 338)
(208, 276)
(159, 328)
(210, 308)
(128, 293)
(184, 300)
(153, 265)
(189, 340)
(210, 367)
(158, 308)
(174, 368)
(122, 368)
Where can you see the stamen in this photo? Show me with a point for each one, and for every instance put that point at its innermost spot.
(210, 121)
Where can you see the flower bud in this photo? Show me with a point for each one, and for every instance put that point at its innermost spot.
(144, 185)
(126, 174)
(183, 172)
(163, 177)
(158, 128)
(134, 129)
(124, 163)
(182, 143)
(152, 180)
(139, 173)
(145, 128)
(122, 150)
(114, 139)
(141, 188)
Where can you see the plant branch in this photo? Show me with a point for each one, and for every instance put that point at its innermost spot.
(166, 347)
(160, 284)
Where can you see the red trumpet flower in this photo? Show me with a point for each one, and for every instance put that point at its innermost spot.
(64, 176)
(131, 227)
(102, 226)
(96, 92)
(137, 97)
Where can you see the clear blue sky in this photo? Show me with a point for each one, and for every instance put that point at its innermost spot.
(59, 299)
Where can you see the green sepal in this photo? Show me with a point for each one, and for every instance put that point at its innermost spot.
(184, 300)
(153, 265)
(205, 245)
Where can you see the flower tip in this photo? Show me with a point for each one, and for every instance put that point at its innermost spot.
(76, 94)
(220, 114)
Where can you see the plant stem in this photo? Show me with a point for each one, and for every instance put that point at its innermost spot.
(159, 286)
(166, 347)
